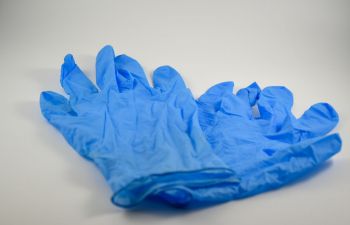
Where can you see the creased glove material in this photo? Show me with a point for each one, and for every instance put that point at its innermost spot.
(255, 133)
(159, 143)
(146, 141)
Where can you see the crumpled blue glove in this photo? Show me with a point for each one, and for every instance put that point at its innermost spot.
(147, 142)
(266, 151)
(255, 133)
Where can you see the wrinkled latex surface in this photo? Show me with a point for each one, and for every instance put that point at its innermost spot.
(147, 142)
(144, 140)
(257, 136)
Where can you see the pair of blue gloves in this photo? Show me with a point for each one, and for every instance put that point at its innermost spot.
(159, 143)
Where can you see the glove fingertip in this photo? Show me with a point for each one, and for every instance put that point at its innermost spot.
(166, 78)
(52, 103)
(131, 66)
(69, 59)
(318, 120)
(126, 62)
(326, 111)
(106, 50)
(221, 88)
(250, 94)
(105, 68)
(67, 66)
(277, 94)
(216, 92)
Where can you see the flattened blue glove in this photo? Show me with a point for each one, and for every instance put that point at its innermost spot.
(144, 140)
(130, 71)
(273, 148)
(266, 151)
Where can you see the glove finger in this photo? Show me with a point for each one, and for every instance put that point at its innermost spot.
(221, 98)
(289, 164)
(318, 120)
(249, 94)
(128, 70)
(58, 112)
(274, 105)
(55, 107)
(74, 81)
(105, 68)
(274, 99)
(210, 102)
(211, 99)
(166, 78)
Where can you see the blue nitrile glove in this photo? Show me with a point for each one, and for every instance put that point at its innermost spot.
(130, 71)
(269, 148)
(144, 140)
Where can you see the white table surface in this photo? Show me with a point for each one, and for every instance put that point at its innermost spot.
(302, 44)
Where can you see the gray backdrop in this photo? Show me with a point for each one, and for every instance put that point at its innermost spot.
(301, 44)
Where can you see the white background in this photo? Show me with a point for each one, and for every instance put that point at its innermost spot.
(304, 45)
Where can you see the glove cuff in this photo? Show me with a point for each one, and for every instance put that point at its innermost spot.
(141, 188)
